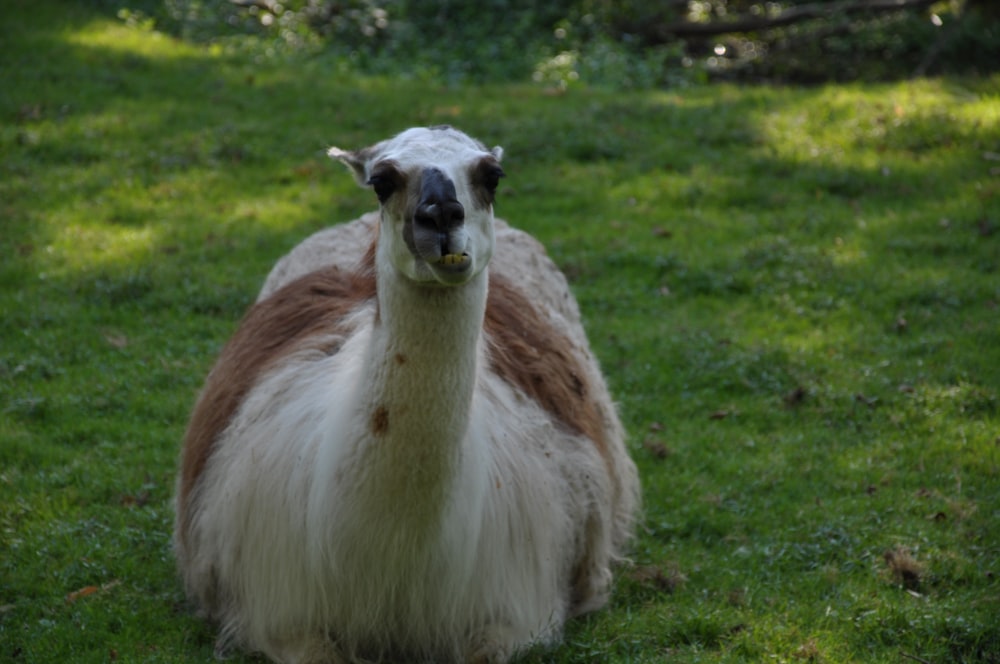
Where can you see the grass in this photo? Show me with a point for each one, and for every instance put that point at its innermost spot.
(794, 293)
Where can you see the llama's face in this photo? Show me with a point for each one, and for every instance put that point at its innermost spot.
(435, 187)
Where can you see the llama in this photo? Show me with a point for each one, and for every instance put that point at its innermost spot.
(407, 450)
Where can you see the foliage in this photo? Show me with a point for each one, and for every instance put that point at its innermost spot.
(793, 293)
(870, 47)
(555, 43)
(615, 44)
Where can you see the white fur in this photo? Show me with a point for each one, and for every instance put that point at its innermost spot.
(453, 535)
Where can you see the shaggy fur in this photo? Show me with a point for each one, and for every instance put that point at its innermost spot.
(398, 458)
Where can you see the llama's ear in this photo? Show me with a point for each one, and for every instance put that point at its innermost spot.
(497, 152)
(356, 161)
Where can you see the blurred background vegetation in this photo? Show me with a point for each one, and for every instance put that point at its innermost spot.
(617, 43)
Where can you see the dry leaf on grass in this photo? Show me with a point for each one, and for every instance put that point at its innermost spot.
(86, 591)
(665, 580)
(904, 567)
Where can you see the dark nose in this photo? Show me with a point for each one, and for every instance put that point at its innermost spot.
(438, 208)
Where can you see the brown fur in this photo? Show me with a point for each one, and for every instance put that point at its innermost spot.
(484, 176)
(380, 421)
(527, 352)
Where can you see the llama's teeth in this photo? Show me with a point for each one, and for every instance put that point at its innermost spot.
(453, 259)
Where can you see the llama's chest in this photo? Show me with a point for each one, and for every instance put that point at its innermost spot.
(403, 530)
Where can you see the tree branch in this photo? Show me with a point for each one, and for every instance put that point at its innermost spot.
(662, 33)
(266, 5)
(939, 44)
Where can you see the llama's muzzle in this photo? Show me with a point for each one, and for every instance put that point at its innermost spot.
(435, 230)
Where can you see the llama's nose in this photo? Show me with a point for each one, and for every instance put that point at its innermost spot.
(440, 216)
(438, 208)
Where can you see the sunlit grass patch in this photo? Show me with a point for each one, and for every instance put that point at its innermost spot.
(132, 35)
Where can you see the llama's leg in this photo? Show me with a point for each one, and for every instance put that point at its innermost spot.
(222, 650)
(308, 649)
(592, 588)
(592, 577)
(495, 644)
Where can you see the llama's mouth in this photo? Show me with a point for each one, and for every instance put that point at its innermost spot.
(453, 265)
(450, 269)
(454, 260)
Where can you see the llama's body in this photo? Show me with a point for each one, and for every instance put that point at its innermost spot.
(401, 455)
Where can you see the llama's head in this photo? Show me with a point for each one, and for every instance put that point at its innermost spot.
(435, 188)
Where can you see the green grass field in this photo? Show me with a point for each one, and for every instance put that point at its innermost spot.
(795, 294)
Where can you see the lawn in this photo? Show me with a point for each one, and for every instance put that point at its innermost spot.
(794, 292)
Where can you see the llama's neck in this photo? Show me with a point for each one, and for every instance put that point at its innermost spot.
(417, 386)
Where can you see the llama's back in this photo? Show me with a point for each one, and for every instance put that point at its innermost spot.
(339, 247)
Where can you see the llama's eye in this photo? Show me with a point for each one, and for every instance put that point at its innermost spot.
(383, 185)
(485, 177)
(490, 176)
